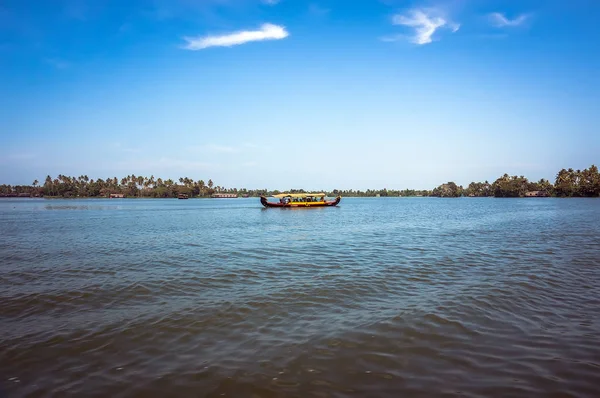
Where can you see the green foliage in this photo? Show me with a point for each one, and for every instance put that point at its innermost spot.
(584, 183)
(448, 190)
(510, 187)
(479, 189)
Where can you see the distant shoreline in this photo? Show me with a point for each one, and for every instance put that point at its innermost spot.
(257, 197)
(568, 183)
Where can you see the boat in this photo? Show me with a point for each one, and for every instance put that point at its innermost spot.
(300, 200)
(182, 196)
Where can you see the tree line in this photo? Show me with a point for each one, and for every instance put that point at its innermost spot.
(568, 183)
(131, 186)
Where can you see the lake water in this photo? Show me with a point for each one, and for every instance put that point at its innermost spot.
(382, 297)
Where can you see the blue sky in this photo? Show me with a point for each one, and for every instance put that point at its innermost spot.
(299, 93)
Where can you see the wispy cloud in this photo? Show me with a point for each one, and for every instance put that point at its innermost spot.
(317, 10)
(500, 20)
(493, 36)
(21, 156)
(213, 148)
(16, 158)
(266, 32)
(163, 164)
(76, 10)
(57, 63)
(392, 38)
(123, 148)
(225, 149)
(425, 23)
(221, 148)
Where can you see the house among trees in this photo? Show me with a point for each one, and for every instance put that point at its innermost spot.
(536, 194)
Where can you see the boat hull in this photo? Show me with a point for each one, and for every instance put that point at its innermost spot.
(327, 203)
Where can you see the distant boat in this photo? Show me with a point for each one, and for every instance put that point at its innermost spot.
(182, 196)
(300, 200)
(224, 195)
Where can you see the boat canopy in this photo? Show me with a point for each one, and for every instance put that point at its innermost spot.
(298, 195)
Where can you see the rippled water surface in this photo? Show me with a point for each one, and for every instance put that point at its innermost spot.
(377, 297)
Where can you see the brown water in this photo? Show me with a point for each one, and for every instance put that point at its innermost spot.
(379, 297)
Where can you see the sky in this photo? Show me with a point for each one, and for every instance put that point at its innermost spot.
(323, 94)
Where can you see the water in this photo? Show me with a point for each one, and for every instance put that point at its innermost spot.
(378, 297)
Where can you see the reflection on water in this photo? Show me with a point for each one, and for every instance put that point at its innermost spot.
(379, 297)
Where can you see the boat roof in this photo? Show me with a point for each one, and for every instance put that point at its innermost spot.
(297, 195)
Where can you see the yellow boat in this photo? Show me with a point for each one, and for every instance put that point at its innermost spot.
(300, 200)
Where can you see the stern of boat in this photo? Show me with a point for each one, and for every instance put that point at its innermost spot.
(263, 201)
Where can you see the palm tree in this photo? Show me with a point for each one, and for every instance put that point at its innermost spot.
(48, 185)
(563, 183)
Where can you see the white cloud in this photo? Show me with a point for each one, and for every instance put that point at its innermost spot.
(266, 32)
(425, 23)
(500, 21)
